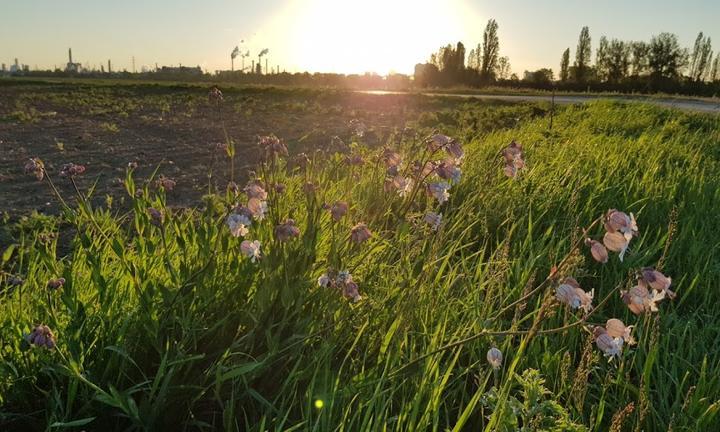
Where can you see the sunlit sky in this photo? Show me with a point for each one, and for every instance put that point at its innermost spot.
(348, 36)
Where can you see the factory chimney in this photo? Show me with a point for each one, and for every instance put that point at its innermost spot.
(109, 67)
(70, 55)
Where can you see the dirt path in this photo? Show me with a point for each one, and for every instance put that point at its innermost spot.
(697, 105)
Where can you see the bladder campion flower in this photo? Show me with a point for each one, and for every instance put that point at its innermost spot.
(656, 280)
(570, 293)
(156, 216)
(403, 185)
(41, 336)
(72, 170)
(439, 191)
(251, 249)
(597, 250)
(360, 233)
(449, 170)
(272, 146)
(238, 224)
(639, 300)
(610, 346)
(324, 280)
(287, 230)
(255, 190)
(165, 183)
(351, 291)
(617, 329)
(55, 284)
(391, 159)
(257, 208)
(338, 210)
(514, 161)
(36, 167)
(433, 219)
(495, 358)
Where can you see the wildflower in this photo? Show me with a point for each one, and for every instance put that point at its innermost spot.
(449, 170)
(272, 146)
(257, 208)
(36, 167)
(617, 221)
(215, 95)
(309, 188)
(570, 293)
(71, 170)
(255, 190)
(597, 250)
(287, 230)
(639, 300)
(351, 291)
(279, 188)
(439, 191)
(238, 224)
(251, 249)
(403, 185)
(610, 346)
(156, 216)
(233, 188)
(338, 210)
(444, 142)
(513, 159)
(617, 329)
(302, 160)
(421, 170)
(657, 281)
(391, 159)
(433, 219)
(41, 336)
(455, 150)
(324, 280)
(344, 276)
(358, 128)
(165, 183)
(360, 233)
(354, 160)
(495, 358)
(15, 281)
(616, 242)
(56, 284)
(132, 165)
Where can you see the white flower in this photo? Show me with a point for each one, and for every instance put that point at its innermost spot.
(570, 293)
(344, 277)
(251, 249)
(238, 224)
(495, 358)
(433, 219)
(404, 185)
(258, 208)
(439, 191)
(324, 280)
(610, 346)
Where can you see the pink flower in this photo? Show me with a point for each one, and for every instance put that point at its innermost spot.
(257, 208)
(449, 170)
(617, 221)
(238, 224)
(639, 300)
(351, 291)
(444, 142)
(55, 284)
(514, 161)
(272, 146)
(309, 188)
(403, 185)
(156, 216)
(165, 183)
(616, 242)
(617, 329)
(36, 167)
(597, 250)
(657, 281)
(570, 293)
(391, 159)
(251, 249)
(287, 230)
(610, 346)
(41, 336)
(255, 190)
(360, 233)
(338, 210)
(71, 170)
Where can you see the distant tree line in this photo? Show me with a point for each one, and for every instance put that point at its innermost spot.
(658, 65)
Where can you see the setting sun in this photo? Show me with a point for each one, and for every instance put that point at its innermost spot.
(374, 35)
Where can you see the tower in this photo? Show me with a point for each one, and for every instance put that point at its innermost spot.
(109, 66)
(70, 56)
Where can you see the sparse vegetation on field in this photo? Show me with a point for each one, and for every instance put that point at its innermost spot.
(461, 269)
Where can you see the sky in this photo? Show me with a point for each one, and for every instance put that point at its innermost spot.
(346, 36)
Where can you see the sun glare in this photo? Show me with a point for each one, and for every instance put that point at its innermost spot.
(370, 36)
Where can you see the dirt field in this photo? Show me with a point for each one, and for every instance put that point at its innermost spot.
(105, 126)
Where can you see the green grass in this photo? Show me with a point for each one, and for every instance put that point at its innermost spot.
(173, 328)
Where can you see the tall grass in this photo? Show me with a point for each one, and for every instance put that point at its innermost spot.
(168, 326)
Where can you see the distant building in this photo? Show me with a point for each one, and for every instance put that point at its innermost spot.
(182, 70)
(72, 67)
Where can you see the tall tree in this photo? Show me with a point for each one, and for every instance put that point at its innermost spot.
(639, 57)
(617, 60)
(715, 70)
(490, 51)
(565, 66)
(665, 58)
(701, 57)
(601, 60)
(503, 68)
(582, 55)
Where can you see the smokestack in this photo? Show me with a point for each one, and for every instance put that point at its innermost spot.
(266, 64)
(70, 55)
(253, 65)
(109, 67)
(17, 65)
